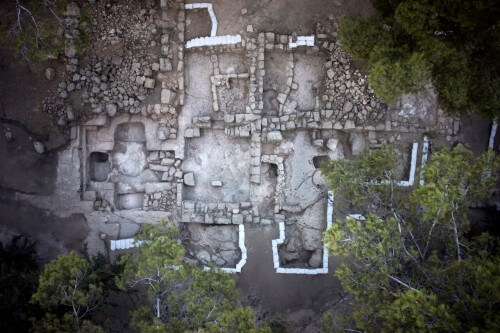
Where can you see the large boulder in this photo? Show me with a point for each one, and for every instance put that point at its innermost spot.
(316, 258)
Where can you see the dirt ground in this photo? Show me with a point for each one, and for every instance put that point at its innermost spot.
(22, 169)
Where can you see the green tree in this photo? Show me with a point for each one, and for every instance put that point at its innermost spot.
(363, 35)
(184, 297)
(37, 30)
(455, 44)
(69, 289)
(392, 79)
(413, 264)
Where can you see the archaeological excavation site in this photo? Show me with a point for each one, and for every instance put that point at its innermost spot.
(232, 122)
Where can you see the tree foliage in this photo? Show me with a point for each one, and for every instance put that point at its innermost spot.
(453, 43)
(184, 297)
(413, 264)
(37, 29)
(69, 289)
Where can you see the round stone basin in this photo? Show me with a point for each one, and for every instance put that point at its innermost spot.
(130, 158)
(129, 153)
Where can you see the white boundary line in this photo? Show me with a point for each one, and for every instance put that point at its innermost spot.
(302, 41)
(124, 244)
(213, 39)
(493, 133)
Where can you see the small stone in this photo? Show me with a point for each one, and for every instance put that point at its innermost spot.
(349, 124)
(348, 106)
(39, 147)
(72, 9)
(318, 143)
(162, 133)
(249, 28)
(71, 87)
(117, 60)
(70, 114)
(167, 161)
(281, 98)
(266, 221)
(9, 135)
(153, 156)
(358, 143)
(166, 96)
(274, 136)
(149, 83)
(70, 52)
(188, 133)
(237, 219)
(111, 109)
(332, 144)
(165, 64)
(330, 73)
(140, 80)
(189, 179)
(203, 256)
(216, 183)
(50, 73)
(244, 11)
(61, 121)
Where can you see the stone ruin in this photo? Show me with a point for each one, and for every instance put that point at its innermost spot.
(223, 133)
